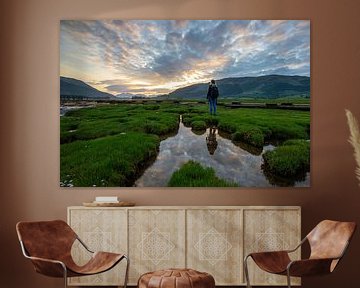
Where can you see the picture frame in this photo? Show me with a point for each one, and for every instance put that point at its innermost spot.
(185, 103)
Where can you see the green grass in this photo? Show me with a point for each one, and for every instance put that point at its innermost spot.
(104, 126)
(289, 159)
(198, 125)
(192, 174)
(255, 126)
(253, 136)
(289, 99)
(110, 161)
(111, 145)
(92, 123)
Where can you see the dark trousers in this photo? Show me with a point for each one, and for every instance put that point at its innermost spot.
(212, 105)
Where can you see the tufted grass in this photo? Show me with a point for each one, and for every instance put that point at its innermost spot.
(109, 161)
(289, 159)
(192, 174)
(102, 128)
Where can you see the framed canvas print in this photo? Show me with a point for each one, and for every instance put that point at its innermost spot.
(190, 103)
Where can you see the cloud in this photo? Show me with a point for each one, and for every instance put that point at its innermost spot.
(161, 55)
(117, 88)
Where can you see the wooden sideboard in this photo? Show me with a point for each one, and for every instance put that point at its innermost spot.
(211, 239)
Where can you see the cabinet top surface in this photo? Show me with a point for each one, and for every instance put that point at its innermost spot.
(192, 207)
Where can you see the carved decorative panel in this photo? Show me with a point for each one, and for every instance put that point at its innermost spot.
(156, 240)
(207, 239)
(270, 230)
(101, 230)
(214, 241)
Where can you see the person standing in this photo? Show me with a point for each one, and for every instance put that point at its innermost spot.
(212, 95)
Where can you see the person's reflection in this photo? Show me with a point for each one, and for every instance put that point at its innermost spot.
(211, 142)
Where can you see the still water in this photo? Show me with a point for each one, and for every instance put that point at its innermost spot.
(229, 161)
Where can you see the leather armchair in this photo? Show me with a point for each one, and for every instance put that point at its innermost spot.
(328, 242)
(48, 245)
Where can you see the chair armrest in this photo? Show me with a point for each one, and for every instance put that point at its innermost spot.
(283, 251)
(45, 260)
(48, 267)
(309, 267)
(268, 253)
(271, 261)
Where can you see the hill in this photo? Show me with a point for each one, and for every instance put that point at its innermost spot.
(270, 86)
(71, 88)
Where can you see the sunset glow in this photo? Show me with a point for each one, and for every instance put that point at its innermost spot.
(157, 57)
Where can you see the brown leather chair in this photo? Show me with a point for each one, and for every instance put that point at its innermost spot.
(48, 245)
(328, 242)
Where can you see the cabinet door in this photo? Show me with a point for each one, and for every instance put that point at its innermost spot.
(101, 230)
(270, 230)
(214, 244)
(156, 240)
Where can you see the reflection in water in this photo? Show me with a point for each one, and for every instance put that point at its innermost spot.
(211, 142)
(287, 181)
(229, 161)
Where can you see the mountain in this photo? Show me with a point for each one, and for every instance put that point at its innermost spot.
(270, 86)
(73, 88)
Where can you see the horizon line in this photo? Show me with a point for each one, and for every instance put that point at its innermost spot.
(132, 93)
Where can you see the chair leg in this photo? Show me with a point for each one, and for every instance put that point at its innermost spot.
(65, 276)
(288, 278)
(127, 271)
(246, 270)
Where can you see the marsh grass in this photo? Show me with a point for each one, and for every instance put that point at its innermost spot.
(289, 99)
(198, 125)
(92, 123)
(192, 174)
(255, 126)
(110, 161)
(111, 145)
(289, 159)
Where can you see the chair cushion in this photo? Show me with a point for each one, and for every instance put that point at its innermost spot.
(176, 278)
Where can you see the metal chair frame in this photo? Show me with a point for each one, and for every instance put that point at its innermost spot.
(288, 276)
(23, 249)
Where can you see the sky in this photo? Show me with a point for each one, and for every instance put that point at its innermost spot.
(153, 57)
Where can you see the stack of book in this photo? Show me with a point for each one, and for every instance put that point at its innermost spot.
(106, 199)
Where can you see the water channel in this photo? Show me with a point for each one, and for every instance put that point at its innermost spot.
(229, 161)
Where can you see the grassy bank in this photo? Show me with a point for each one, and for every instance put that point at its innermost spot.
(282, 100)
(92, 123)
(110, 145)
(289, 159)
(254, 126)
(109, 161)
(192, 174)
